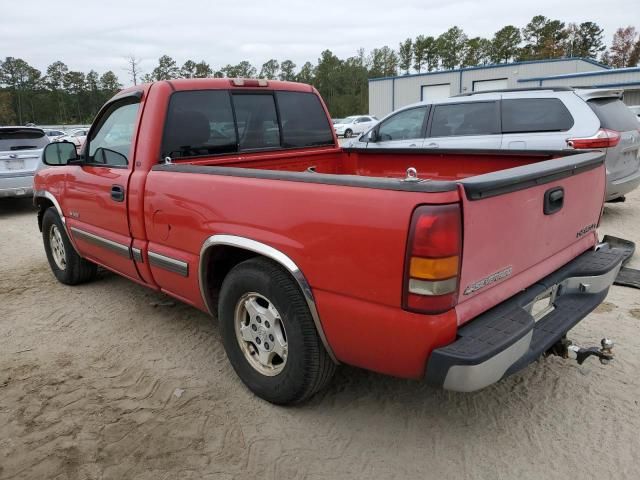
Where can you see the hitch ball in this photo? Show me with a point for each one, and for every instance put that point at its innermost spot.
(607, 347)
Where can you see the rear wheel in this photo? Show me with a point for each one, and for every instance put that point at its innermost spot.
(269, 334)
(348, 133)
(67, 266)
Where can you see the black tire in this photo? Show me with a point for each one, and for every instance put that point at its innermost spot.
(308, 367)
(77, 270)
(348, 133)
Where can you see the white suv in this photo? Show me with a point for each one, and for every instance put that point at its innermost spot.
(536, 119)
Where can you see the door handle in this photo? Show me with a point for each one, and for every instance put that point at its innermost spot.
(553, 200)
(433, 145)
(413, 145)
(117, 193)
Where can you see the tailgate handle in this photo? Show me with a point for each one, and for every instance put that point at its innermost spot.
(553, 200)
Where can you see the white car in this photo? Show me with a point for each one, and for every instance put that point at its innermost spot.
(77, 137)
(54, 134)
(354, 125)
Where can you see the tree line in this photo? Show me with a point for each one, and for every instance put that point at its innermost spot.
(61, 95)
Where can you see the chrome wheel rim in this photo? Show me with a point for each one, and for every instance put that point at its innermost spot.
(261, 334)
(57, 247)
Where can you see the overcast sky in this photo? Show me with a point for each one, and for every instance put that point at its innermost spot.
(99, 35)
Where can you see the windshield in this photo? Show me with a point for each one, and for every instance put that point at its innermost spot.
(22, 139)
(349, 119)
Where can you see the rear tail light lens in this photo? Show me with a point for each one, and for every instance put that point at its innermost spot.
(244, 82)
(604, 138)
(433, 259)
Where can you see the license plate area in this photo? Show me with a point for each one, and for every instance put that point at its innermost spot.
(14, 164)
(543, 304)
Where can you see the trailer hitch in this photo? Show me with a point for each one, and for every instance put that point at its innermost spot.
(565, 348)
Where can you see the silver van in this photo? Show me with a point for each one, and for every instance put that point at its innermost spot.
(534, 119)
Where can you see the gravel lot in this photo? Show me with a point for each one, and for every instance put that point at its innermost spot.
(110, 380)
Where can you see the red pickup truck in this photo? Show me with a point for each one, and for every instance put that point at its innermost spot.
(460, 267)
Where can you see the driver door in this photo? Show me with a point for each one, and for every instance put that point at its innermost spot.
(96, 191)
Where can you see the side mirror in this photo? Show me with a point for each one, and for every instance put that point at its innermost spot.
(371, 136)
(59, 153)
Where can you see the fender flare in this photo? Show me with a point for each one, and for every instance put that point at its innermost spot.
(275, 255)
(49, 196)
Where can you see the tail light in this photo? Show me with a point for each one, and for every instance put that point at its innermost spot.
(603, 138)
(432, 265)
(251, 82)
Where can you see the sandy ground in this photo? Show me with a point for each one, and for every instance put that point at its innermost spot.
(107, 381)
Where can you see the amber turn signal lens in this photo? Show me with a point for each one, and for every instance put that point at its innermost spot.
(433, 268)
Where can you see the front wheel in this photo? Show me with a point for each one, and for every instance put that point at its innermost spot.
(67, 266)
(348, 133)
(269, 335)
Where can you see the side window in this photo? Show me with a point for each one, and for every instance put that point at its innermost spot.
(304, 122)
(111, 141)
(199, 122)
(535, 115)
(257, 121)
(403, 126)
(477, 118)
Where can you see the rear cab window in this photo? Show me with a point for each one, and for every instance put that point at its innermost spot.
(535, 115)
(467, 118)
(12, 139)
(613, 114)
(214, 122)
(199, 123)
(304, 121)
(257, 121)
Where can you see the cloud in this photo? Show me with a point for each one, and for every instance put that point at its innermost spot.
(100, 35)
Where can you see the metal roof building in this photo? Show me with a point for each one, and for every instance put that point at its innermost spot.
(390, 93)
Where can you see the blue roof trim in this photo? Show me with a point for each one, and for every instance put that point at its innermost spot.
(613, 85)
(494, 65)
(611, 71)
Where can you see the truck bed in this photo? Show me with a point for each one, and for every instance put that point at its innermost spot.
(430, 164)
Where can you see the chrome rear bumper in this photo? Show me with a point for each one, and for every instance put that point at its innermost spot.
(511, 335)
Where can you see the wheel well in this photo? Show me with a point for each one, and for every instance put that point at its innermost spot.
(220, 260)
(217, 261)
(43, 204)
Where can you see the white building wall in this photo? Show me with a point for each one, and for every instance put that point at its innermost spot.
(632, 97)
(380, 97)
(406, 89)
(627, 79)
(594, 80)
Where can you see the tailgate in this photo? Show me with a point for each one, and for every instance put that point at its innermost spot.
(19, 163)
(20, 150)
(522, 223)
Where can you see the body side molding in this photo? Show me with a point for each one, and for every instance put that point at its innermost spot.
(137, 255)
(116, 247)
(273, 254)
(168, 263)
